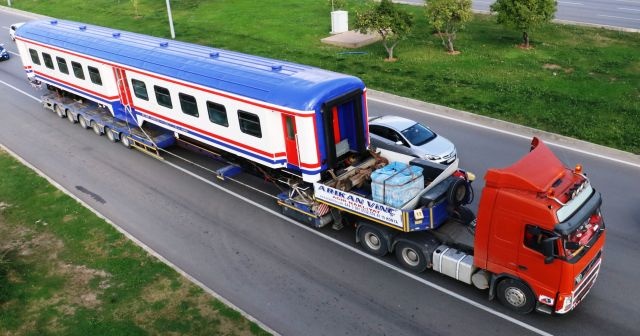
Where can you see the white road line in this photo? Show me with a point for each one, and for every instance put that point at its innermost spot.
(619, 17)
(629, 9)
(24, 93)
(11, 52)
(140, 243)
(364, 254)
(629, 1)
(570, 3)
(498, 130)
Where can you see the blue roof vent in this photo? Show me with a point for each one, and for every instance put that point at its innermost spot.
(276, 67)
(164, 44)
(83, 28)
(54, 22)
(116, 35)
(214, 54)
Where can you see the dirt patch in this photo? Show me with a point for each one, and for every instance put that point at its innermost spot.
(551, 66)
(68, 218)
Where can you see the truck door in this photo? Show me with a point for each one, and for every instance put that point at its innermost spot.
(290, 139)
(531, 266)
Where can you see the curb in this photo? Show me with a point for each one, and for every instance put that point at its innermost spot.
(507, 127)
(23, 13)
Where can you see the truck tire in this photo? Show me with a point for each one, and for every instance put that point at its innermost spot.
(70, 117)
(59, 111)
(83, 122)
(96, 128)
(411, 257)
(373, 241)
(516, 295)
(125, 140)
(110, 135)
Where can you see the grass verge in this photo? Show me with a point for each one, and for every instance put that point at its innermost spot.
(577, 81)
(64, 271)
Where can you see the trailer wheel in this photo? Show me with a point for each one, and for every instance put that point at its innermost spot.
(70, 117)
(372, 241)
(410, 256)
(59, 111)
(110, 135)
(96, 128)
(83, 122)
(516, 295)
(125, 140)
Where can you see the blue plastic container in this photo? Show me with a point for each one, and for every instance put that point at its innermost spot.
(396, 183)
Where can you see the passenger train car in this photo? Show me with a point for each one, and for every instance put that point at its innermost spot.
(279, 114)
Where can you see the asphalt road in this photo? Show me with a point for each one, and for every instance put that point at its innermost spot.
(617, 13)
(301, 281)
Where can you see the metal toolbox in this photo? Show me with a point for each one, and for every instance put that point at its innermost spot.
(453, 263)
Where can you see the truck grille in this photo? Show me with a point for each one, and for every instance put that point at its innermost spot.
(589, 276)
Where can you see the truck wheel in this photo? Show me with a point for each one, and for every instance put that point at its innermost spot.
(516, 295)
(372, 241)
(83, 122)
(96, 128)
(70, 117)
(410, 256)
(110, 134)
(125, 140)
(60, 111)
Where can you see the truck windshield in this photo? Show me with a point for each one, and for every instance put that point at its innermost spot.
(578, 242)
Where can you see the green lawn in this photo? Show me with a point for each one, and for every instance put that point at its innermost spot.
(580, 82)
(64, 271)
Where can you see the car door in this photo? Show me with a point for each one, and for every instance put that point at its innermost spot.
(386, 138)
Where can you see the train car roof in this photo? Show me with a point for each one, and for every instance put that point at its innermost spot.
(272, 81)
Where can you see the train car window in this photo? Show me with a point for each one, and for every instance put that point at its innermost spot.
(140, 89)
(62, 65)
(217, 114)
(48, 61)
(77, 70)
(163, 97)
(94, 74)
(249, 123)
(34, 56)
(188, 104)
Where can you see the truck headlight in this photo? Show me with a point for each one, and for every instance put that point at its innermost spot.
(432, 157)
(567, 304)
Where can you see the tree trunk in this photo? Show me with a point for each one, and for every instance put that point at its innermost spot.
(389, 49)
(449, 43)
(525, 39)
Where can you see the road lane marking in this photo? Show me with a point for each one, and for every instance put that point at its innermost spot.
(498, 130)
(571, 3)
(24, 93)
(619, 17)
(629, 9)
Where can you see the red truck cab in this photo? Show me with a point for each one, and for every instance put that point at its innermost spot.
(539, 233)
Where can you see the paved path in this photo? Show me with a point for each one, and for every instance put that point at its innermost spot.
(615, 13)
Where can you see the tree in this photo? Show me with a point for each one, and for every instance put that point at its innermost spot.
(524, 14)
(448, 16)
(386, 19)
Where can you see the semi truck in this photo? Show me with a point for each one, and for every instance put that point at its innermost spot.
(535, 244)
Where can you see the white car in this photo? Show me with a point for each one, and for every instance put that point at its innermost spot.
(13, 28)
(408, 137)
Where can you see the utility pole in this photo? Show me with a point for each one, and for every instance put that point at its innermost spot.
(173, 33)
(9, 3)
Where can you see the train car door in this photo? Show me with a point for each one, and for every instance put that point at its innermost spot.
(124, 94)
(344, 126)
(291, 139)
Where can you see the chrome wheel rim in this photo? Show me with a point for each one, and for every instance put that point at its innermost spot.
(410, 257)
(372, 241)
(515, 296)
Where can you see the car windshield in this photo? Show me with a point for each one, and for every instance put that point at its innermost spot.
(578, 242)
(418, 134)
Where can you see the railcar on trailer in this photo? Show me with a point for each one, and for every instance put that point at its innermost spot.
(278, 114)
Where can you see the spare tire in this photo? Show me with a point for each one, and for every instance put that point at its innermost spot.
(457, 192)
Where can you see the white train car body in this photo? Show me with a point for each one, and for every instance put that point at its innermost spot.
(278, 114)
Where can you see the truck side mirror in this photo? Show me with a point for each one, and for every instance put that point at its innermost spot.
(547, 249)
